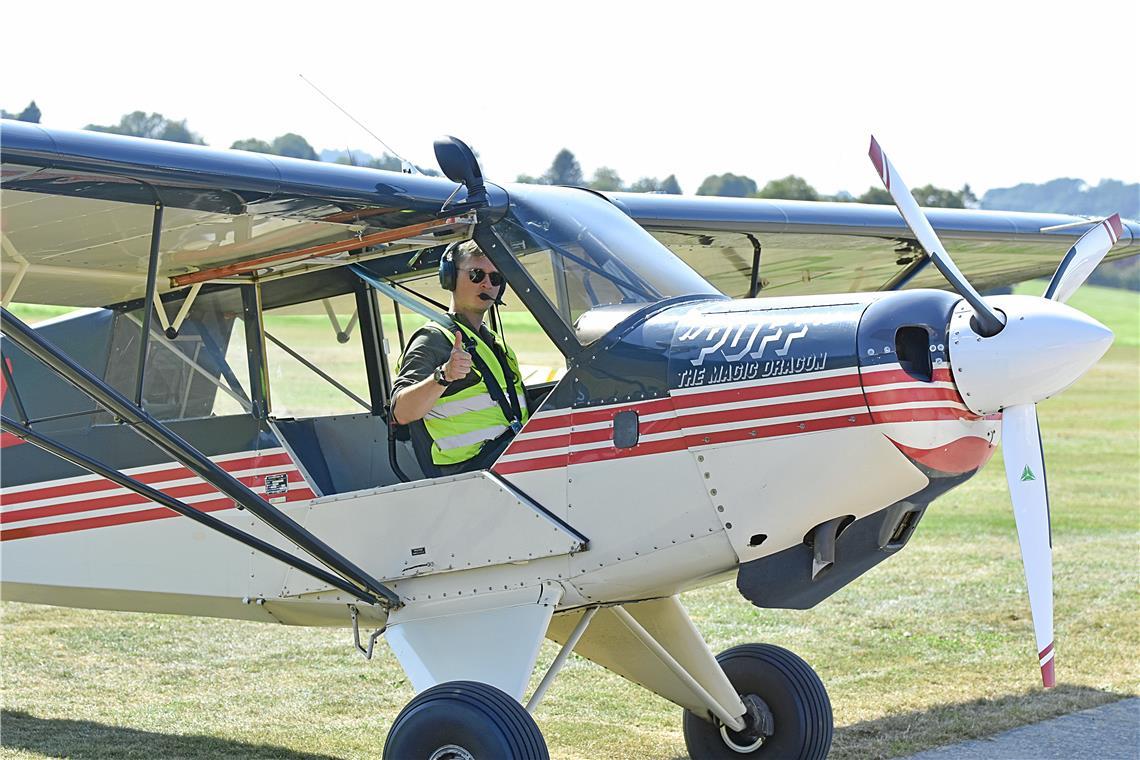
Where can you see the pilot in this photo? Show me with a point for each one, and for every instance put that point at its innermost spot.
(460, 391)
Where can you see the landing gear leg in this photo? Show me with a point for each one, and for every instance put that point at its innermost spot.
(788, 711)
(464, 720)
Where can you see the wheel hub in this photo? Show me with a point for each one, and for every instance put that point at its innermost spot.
(758, 726)
(451, 752)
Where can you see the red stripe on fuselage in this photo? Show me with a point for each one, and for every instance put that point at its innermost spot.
(925, 415)
(909, 395)
(168, 471)
(688, 407)
(127, 518)
(894, 376)
(124, 500)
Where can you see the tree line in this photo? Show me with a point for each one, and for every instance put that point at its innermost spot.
(563, 170)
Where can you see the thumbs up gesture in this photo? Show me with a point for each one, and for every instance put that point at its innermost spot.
(459, 363)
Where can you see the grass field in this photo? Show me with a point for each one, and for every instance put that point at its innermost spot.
(932, 647)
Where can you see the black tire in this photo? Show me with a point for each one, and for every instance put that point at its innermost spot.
(482, 720)
(801, 711)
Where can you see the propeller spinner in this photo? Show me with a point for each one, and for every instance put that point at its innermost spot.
(1008, 353)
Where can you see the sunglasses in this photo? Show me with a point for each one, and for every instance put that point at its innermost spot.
(477, 276)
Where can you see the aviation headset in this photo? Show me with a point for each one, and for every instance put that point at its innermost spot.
(449, 271)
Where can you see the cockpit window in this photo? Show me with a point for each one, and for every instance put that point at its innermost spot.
(585, 253)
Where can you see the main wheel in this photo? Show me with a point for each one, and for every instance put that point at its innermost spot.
(464, 720)
(789, 713)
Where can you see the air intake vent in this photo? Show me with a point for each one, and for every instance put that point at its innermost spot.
(912, 347)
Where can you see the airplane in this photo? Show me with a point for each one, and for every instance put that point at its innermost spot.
(771, 391)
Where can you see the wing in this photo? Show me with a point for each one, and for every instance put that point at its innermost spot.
(810, 248)
(79, 208)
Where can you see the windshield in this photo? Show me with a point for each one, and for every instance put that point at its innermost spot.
(585, 253)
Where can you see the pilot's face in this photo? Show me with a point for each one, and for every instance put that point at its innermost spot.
(475, 296)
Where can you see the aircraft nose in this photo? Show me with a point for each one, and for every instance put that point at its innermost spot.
(1045, 347)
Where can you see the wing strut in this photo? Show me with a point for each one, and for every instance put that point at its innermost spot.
(181, 450)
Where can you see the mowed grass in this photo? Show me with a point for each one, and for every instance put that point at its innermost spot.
(931, 647)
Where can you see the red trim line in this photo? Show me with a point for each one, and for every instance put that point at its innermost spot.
(679, 401)
(756, 392)
(682, 443)
(892, 376)
(909, 395)
(168, 471)
(925, 415)
(126, 518)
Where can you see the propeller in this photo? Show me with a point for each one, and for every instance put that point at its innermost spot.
(1007, 354)
(989, 321)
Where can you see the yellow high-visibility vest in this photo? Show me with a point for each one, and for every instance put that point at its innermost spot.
(460, 423)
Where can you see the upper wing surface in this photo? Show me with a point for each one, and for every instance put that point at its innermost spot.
(814, 247)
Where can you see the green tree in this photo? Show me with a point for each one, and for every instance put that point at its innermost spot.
(152, 125)
(387, 162)
(253, 145)
(670, 186)
(294, 146)
(526, 179)
(729, 185)
(564, 170)
(606, 178)
(790, 188)
(927, 195)
(876, 195)
(938, 197)
(646, 185)
(29, 114)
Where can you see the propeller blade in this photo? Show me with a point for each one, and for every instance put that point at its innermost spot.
(1025, 474)
(1082, 258)
(988, 319)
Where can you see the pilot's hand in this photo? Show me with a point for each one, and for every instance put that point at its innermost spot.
(459, 363)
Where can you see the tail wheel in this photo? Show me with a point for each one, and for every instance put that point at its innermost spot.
(789, 713)
(462, 720)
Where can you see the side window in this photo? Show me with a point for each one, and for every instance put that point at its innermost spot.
(315, 359)
(199, 373)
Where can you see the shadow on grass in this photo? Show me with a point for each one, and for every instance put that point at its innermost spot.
(60, 737)
(911, 732)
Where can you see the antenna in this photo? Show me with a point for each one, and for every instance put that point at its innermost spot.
(406, 166)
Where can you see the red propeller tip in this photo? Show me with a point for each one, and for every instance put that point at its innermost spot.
(876, 154)
(1114, 224)
(1047, 657)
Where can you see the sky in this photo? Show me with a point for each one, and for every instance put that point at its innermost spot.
(987, 93)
